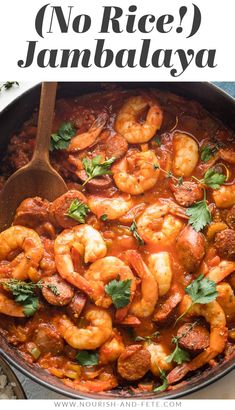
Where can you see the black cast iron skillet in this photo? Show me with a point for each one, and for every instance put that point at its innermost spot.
(11, 119)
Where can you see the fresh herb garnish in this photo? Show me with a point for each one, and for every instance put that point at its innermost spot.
(87, 358)
(78, 211)
(133, 229)
(158, 141)
(147, 338)
(208, 152)
(178, 355)
(53, 288)
(120, 292)
(9, 84)
(95, 167)
(164, 380)
(24, 294)
(212, 179)
(104, 217)
(61, 139)
(199, 214)
(169, 174)
(202, 291)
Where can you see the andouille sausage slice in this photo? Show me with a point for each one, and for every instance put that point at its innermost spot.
(76, 305)
(116, 146)
(56, 291)
(225, 244)
(96, 184)
(60, 207)
(190, 246)
(187, 193)
(47, 339)
(32, 212)
(134, 362)
(193, 338)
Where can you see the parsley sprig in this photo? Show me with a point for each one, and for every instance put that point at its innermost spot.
(212, 179)
(95, 167)
(199, 214)
(202, 291)
(87, 358)
(78, 211)
(164, 380)
(120, 292)
(61, 139)
(208, 151)
(178, 355)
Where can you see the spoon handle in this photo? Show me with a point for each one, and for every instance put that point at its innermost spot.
(45, 119)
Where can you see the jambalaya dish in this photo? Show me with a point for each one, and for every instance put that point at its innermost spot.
(126, 281)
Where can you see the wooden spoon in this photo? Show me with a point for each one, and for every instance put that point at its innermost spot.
(37, 178)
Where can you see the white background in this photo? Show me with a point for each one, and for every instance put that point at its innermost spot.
(216, 31)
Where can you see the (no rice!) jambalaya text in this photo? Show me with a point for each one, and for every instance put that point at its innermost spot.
(128, 279)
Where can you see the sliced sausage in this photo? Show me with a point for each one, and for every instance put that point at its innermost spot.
(225, 244)
(59, 209)
(76, 305)
(56, 291)
(194, 338)
(32, 212)
(187, 193)
(116, 146)
(96, 184)
(47, 339)
(190, 246)
(167, 308)
(230, 218)
(134, 362)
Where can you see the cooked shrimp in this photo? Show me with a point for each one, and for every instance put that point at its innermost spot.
(127, 120)
(163, 313)
(226, 299)
(25, 265)
(144, 306)
(224, 197)
(88, 242)
(86, 139)
(227, 155)
(160, 266)
(92, 336)
(9, 307)
(113, 207)
(102, 272)
(137, 172)
(156, 225)
(111, 350)
(158, 354)
(214, 315)
(221, 271)
(185, 154)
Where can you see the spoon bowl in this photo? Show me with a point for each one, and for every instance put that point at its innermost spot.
(37, 178)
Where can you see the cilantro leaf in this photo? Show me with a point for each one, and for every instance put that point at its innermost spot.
(199, 214)
(120, 292)
(164, 380)
(61, 139)
(178, 355)
(133, 229)
(78, 211)
(202, 290)
(208, 152)
(87, 358)
(213, 179)
(95, 168)
(31, 306)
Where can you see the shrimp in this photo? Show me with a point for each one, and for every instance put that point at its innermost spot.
(9, 307)
(111, 350)
(156, 225)
(176, 294)
(127, 125)
(226, 299)
(158, 361)
(86, 240)
(113, 208)
(102, 272)
(144, 306)
(227, 155)
(224, 197)
(86, 139)
(186, 155)
(90, 337)
(214, 315)
(160, 266)
(221, 271)
(137, 172)
(25, 265)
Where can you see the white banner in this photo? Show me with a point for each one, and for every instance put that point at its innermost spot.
(104, 40)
